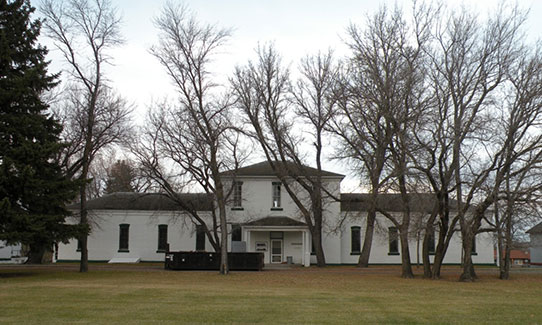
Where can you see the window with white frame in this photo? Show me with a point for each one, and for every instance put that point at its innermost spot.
(276, 195)
(238, 194)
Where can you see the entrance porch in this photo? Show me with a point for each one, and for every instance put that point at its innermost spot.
(281, 239)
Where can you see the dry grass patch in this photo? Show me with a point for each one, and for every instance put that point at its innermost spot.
(330, 295)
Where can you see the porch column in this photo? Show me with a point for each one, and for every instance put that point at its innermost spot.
(247, 239)
(306, 248)
(303, 248)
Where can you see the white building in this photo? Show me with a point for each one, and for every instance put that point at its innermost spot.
(10, 253)
(535, 234)
(262, 217)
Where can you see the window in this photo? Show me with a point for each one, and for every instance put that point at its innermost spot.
(276, 195)
(124, 236)
(237, 194)
(431, 241)
(236, 232)
(393, 241)
(78, 245)
(473, 250)
(162, 238)
(200, 238)
(356, 240)
(261, 246)
(276, 234)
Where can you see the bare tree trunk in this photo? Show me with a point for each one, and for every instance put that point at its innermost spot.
(427, 272)
(406, 267)
(368, 239)
(83, 239)
(441, 248)
(504, 273)
(87, 159)
(224, 268)
(468, 274)
(318, 217)
(319, 250)
(500, 247)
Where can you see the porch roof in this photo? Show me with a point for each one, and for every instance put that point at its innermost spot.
(276, 222)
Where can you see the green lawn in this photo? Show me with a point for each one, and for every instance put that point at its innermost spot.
(58, 294)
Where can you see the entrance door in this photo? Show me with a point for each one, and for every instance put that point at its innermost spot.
(276, 250)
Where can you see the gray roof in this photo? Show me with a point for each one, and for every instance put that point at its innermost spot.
(419, 202)
(264, 169)
(148, 201)
(536, 229)
(275, 221)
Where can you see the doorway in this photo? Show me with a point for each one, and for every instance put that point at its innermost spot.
(276, 238)
(276, 250)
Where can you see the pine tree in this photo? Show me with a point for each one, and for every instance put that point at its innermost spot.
(120, 177)
(33, 189)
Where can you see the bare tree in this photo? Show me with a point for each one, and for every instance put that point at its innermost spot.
(472, 65)
(515, 182)
(361, 124)
(381, 97)
(518, 204)
(270, 103)
(196, 135)
(84, 31)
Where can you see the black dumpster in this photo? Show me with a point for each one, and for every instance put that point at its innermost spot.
(211, 261)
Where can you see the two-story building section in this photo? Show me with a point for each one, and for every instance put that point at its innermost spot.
(262, 217)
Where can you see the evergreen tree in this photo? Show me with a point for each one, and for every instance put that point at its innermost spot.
(120, 177)
(33, 189)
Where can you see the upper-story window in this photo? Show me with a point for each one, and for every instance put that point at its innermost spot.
(276, 195)
(237, 194)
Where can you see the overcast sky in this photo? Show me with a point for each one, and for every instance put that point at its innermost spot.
(297, 27)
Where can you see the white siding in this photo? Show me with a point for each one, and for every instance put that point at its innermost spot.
(103, 242)
(536, 248)
(256, 204)
(380, 246)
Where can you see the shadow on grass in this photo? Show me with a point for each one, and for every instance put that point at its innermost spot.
(8, 275)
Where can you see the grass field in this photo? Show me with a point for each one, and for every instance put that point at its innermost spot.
(146, 294)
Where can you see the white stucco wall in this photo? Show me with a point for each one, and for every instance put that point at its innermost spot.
(256, 204)
(380, 246)
(103, 241)
(536, 248)
(9, 251)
